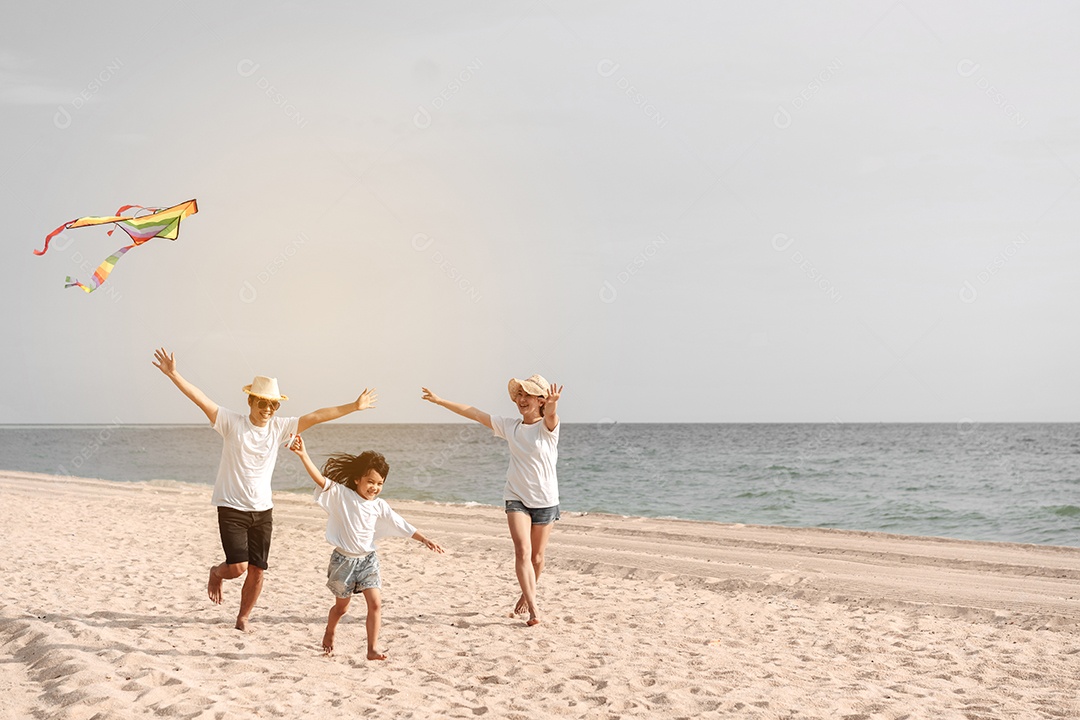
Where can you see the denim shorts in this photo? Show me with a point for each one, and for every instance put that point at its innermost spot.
(540, 516)
(347, 576)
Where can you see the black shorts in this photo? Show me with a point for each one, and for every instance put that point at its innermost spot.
(245, 536)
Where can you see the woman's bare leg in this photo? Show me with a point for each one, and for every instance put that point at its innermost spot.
(521, 533)
(539, 536)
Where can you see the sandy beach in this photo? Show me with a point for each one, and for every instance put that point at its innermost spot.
(104, 614)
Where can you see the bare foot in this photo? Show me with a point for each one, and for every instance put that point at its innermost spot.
(534, 620)
(375, 655)
(242, 624)
(328, 643)
(213, 587)
(522, 606)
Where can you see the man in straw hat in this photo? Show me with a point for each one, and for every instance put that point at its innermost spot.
(242, 490)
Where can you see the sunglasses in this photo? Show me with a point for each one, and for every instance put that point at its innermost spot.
(263, 404)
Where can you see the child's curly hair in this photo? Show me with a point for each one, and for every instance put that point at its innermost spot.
(348, 469)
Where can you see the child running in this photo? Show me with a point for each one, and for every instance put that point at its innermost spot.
(531, 492)
(358, 517)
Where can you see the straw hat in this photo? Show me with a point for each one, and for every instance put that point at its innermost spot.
(533, 385)
(265, 388)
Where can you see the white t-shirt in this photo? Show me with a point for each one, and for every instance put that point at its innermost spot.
(248, 458)
(355, 523)
(534, 450)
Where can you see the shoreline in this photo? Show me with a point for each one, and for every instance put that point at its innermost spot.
(304, 493)
(1003, 485)
(105, 612)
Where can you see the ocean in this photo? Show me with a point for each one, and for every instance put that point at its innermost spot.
(999, 482)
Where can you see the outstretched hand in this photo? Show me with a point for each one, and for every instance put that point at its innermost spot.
(297, 446)
(367, 399)
(433, 546)
(164, 361)
(554, 392)
(430, 396)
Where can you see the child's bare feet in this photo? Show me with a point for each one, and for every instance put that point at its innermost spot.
(213, 587)
(373, 654)
(328, 642)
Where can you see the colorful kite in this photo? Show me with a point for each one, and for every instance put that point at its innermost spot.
(161, 222)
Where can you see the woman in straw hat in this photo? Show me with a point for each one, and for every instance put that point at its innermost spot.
(242, 491)
(531, 492)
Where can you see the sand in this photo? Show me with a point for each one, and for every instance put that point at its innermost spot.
(104, 614)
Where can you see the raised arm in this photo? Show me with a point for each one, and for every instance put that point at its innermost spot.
(551, 407)
(367, 400)
(166, 363)
(465, 411)
(297, 446)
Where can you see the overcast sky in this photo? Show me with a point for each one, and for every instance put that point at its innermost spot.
(684, 212)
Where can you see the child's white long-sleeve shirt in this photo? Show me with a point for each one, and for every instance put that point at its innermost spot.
(354, 524)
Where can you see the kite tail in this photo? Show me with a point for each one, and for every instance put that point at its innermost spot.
(51, 235)
(101, 274)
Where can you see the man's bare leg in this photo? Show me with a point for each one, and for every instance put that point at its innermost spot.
(249, 595)
(221, 572)
(213, 585)
(341, 606)
(374, 620)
